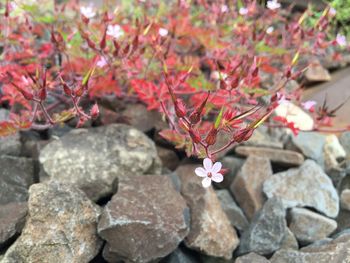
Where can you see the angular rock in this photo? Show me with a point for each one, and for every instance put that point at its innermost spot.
(289, 241)
(232, 210)
(61, 227)
(168, 157)
(309, 226)
(343, 220)
(345, 199)
(252, 258)
(295, 114)
(262, 139)
(247, 185)
(334, 155)
(9, 145)
(211, 232)
(317, 73)
(305, 186)
(283, 157)
(146, 220)
(233, 165)
(345, 141)
(310, 144)
(93, 159)
(12, 219)
(336, 251)
(16, 175)
(267, 229)
(180, 256)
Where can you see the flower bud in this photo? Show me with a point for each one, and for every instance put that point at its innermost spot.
(42, 94)
(94, 112)
(196, 138)
(180, 108)
(243, 135)
(183, 125)
(211, 137)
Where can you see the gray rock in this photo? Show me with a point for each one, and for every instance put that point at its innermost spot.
(317, 73)
(310, 144)
(308, 226)
(211, 232)
(252, 258)
(168, 157)
(232, 210)
(345, 141)
(305, 186)
(16, 175)
(343, 220)
(12, 219)
(289, 241)
(262, 139)
(61, 227)
(9, 145)
(232, 165)
(247, 185)
(180, 256)
(335, 251)
(345, 199)
(282, 157)
(146, 220)
(93, 159)
(267, 230)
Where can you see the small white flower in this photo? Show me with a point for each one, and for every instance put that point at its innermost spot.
(87, 11)
(332, 11)
(308, 105)
(341, 40)
(270, 30)
(163, 32)
(210, 172)
(101, 63)
(115, 31)
(243, 11)
(224, 8)
(281, 98)
(273, 4)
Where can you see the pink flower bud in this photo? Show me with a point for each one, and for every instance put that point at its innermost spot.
(94, 112)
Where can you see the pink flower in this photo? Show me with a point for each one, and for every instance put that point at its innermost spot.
(224, 8)
(115, 31)
(243, 11)
(332, 11)
(210, 172)
(270, 30)
(341, 40)
(273, 4)
(163, 32)
(101, 62)
(87, 11)
(308, 105)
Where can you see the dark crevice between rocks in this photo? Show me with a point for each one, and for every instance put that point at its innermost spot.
(99, 258)
(5, 246)
(105, 199)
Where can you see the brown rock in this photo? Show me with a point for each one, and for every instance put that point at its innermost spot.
(252, 258)
(247, 185)
(345, 199)
(289, 241)
(283, 157)
(317, 73)
(309, 226)
(168, 157)
(211, 231)
(12, 219)
(146, 220)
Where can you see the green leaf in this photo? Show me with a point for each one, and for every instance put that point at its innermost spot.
(219, 118)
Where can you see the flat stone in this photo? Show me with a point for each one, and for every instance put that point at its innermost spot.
(345, 141)
(310, 144)
(168, 157)
(9, 145)
(61, 227)
(335, 251)
(232, 210)
(283, 157)
(305, 186)
(247, 185)
(252, 258)
(309, 226)
(12, 219)
(211, 232)
(345, 199)
(295, 114)
(232, 165)
(145, 220)
(16, 175)
(267, 230)
(94, 159)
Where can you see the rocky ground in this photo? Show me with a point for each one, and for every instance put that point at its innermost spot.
(117, 193)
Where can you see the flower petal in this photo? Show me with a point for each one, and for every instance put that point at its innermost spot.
(201, 172)
(208, 164)
(206, 182)
(217, 177)
(216, 167)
